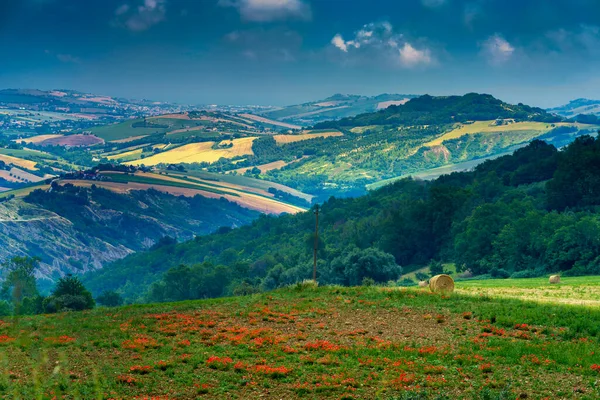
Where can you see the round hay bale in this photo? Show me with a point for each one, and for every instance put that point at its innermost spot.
(441, 284)
(554, 279)
(423, 284)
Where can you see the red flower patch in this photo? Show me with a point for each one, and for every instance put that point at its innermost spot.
(219, 362)
(141, 369)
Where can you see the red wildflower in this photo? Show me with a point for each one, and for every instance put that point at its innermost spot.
(322, 345)
(141, 369)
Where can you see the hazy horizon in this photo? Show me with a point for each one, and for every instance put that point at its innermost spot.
(282, 52)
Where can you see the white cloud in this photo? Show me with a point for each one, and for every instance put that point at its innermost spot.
(338, 41)
(497, 50)
(378, 40)
(410, 57)
(142, 17)
(269, 10)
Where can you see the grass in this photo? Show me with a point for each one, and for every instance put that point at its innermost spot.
(306, 342)
(199, 152)
(124, 178)
(243, 182)
(126, 156)
(538, 128)
(283, 139)
(123, 130)
(571, 290)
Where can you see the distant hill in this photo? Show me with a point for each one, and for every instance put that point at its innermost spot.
(335, 107)
(578, 107)
(71, 101)
(430, 110)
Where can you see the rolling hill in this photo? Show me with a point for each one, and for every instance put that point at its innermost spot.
(577, 108)
(333, 108)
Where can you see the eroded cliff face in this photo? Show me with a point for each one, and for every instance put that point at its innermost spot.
(88, 236)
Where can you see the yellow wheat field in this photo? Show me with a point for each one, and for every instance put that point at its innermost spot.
(199, 152)
(19, 162)
(283, 139)
(37, 139)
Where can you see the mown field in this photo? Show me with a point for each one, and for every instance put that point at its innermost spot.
(302, 342)
(572, 290)
(199, 152)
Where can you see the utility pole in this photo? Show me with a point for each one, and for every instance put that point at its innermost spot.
(316, 243)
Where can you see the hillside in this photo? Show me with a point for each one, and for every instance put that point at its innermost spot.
(507, 217)
(76, 229)
(333, 108)
(429, 110)
(301, 342)
(577, 107)
(340, 158)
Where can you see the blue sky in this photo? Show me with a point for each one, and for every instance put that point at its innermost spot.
(540, 52)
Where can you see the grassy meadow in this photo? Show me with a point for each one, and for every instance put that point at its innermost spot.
(307, 342)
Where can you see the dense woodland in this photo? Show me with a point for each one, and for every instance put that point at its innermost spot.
(527, 214)
(431, 110)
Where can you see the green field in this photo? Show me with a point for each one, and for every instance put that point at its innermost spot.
(242, 181)
(583, 291)
(123, 130)
(302, 342)
(123, 178)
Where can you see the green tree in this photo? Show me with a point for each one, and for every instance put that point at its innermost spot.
(69, 295)
(110, 298)
(20, 283)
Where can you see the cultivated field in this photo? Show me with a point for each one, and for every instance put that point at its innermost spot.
(283, 139)
(18, 175)
(19, 162)
(538, 128)
(37, 139)
(301, 342)
(584, 291)
(264, 167)
(268, 121)
(129, 139)
(180, 185)
(126, 156)
(124, 130)
(242, 182)
(72, 141)
(199, 152)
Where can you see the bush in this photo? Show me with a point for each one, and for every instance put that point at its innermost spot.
(69, 295)
(499, 273)
(307, 284)
(368, 281)
(407, 282)
(528, 273)
(110, 298)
